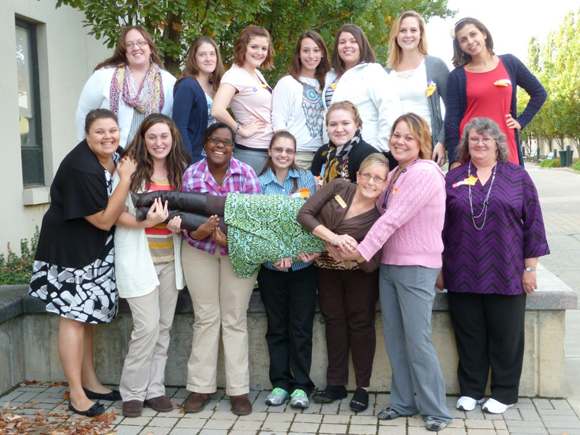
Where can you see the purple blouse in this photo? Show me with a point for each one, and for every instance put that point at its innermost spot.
(491, 260)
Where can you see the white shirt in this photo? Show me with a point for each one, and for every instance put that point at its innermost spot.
(297, 107)
(412, 88)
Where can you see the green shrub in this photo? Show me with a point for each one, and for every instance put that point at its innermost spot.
(554, 163)
(576, 166)
(545, 163)
(15, 269)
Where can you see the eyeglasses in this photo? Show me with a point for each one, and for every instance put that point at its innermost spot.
(484, 140)
(279, 150)
(215, 140)
(367, 177)
(141, 43)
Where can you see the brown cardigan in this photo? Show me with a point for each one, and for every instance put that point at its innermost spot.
(323, 209)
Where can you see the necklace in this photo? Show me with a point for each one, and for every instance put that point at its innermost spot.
(485, 201)
(224, 177)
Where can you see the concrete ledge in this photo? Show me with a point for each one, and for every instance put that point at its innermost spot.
(28, 342)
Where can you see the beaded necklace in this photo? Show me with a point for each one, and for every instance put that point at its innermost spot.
(485, 201)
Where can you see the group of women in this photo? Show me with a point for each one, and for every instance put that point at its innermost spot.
(345, 148)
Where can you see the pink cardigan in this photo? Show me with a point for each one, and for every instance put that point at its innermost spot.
(409, 231)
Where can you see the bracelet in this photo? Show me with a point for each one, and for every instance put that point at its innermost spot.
(332, 241)
(529, 269)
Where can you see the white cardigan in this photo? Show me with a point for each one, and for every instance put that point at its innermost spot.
(373, 92)
(134, 266)
(96, 95)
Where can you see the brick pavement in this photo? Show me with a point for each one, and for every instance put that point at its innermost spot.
(529, 416)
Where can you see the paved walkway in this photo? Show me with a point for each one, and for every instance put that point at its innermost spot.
(560, 197)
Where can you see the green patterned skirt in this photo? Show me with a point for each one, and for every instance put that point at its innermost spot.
(263, 228)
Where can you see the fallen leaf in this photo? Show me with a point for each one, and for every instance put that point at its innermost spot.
(6, 406)
(66, 395)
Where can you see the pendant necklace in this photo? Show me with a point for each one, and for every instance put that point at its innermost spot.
(485, 201)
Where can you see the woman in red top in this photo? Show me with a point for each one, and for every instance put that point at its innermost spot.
(485, 85)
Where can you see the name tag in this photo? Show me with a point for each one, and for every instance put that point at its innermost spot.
(340, 201)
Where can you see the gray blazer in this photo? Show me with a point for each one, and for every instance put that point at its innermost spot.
(437, 72)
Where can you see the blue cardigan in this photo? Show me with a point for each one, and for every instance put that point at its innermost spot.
(457, 101)
(190, 114)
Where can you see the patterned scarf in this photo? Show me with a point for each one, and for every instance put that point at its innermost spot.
(147, 99)
(337, 159)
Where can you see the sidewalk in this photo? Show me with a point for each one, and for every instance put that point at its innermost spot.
(560, 197)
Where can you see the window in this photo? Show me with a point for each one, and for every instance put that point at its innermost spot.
(29, 104)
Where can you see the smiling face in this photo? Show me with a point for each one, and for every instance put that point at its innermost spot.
(103, 137)
(256, 51)
(471, 40)
(341, 126)
(158, 141)
(404, 146)
(482, 148)
(282, 153)
(348, 50)
(310, 56)
(138, 50)
(206, 58)
(218, 153)
(409, 34)
(371, 180)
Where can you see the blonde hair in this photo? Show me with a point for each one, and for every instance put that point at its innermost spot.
(395, 50)
(374, 159)
(349, 107)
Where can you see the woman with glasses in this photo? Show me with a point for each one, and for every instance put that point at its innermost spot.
(131, 83)
(220, 298)
(485, 85)
(493, 236)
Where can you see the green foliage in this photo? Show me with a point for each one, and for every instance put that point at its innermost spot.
(576, 166)
(15, 269)
(554, 163)
(174, 24)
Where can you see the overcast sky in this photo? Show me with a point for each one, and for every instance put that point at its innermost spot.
(511, 22)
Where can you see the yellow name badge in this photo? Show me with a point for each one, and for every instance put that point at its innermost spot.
(304, 192)
(466, 182)
(340, 201)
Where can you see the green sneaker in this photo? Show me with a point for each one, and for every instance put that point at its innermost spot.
(277, 397)
(299, 399)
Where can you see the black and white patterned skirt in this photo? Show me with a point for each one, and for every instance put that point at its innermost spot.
(87, 294)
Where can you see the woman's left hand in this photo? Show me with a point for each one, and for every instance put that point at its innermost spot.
(439, 154)
(344, 242)
(529, 281)
(219, 237)
(307, 258)
(512, 123)
(174, 224)
(333, 251)
(283, 264)
(353, 256)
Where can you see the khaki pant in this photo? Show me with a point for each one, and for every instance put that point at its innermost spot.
(304, 159)
(144, 369)
(220, 298)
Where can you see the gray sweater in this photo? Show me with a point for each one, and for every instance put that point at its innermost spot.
(437, 72)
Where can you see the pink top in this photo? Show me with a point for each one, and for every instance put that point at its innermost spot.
(409, 231)
(253, 101)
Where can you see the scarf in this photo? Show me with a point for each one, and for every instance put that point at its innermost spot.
(337, 159)
(147, 99)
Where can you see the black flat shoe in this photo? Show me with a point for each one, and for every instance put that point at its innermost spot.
(113, 396)
(330, 394)
(360, 400)
(93, 411)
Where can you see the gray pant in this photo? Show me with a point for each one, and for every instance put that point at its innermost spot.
(407, 294)
(256, 159)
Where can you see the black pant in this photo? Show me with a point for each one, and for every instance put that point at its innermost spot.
(489, 331)
(290, 302)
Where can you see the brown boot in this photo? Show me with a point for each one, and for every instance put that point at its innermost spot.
(196, 402)
(132, 408)
(241, 405)
(159, 404)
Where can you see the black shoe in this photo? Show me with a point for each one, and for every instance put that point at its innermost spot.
(113, 396)
(93, 411)
(360, 400)
(330, 394)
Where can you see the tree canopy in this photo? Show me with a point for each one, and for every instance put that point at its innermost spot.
(174, 24)
(556, 65)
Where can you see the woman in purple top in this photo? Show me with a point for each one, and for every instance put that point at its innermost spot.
(493, 236)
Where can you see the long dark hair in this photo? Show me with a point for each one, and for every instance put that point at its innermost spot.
(191, 69)
(461, 58)
(119, 57)
(366, 52)
(270, 164)
(324, 65)
(177, 160)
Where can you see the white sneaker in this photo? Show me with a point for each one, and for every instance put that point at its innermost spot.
(466, 403)
(492, 406)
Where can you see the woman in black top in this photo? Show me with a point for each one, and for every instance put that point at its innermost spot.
(73, 269)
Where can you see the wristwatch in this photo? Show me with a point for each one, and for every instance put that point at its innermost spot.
(529, 269)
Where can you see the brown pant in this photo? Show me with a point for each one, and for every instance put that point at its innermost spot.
(348, 301)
